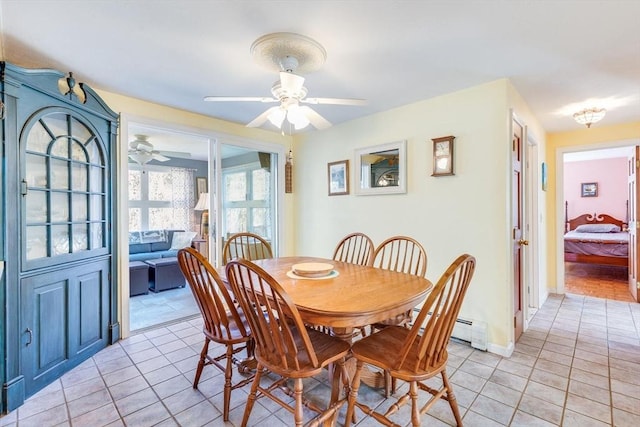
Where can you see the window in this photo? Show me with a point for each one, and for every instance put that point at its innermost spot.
(160, 197)
(247, 200)
(64, 188)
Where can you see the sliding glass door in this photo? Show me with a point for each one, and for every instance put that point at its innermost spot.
(247, 194)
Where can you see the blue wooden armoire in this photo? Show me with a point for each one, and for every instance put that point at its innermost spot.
(58, 292)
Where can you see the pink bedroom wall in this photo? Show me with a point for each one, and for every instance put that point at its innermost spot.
(611, 176)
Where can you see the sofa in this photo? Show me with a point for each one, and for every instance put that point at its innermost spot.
(151, 244)
(152, 259)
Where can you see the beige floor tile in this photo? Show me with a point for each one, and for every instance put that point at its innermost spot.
(579, 351)
(589, 408)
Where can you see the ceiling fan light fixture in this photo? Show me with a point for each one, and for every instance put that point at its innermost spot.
(276, 117)
(297, 117)
(141, 157)
(589, 116)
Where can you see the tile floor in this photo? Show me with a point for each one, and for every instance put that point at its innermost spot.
(157, 308)
(601, 281)
(578, 364)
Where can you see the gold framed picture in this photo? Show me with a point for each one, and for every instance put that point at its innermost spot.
(338, 175)
(443, 156)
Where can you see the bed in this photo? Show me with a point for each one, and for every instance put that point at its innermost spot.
(596, 239)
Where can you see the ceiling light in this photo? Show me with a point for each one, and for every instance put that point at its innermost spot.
(589, 116)
(141, 157)
(277, 117)
(296, 117)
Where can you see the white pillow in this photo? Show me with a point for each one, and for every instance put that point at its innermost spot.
(182, 239)
(597, 228)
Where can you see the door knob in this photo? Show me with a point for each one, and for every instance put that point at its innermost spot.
(523, 242)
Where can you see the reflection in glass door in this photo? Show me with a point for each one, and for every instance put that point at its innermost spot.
(248, 189)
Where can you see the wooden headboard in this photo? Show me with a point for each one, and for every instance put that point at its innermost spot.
(571, 224)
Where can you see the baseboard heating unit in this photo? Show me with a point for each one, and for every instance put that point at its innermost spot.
(473, 332)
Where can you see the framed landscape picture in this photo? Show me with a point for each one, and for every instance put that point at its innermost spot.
(589, 189)
(338, 175)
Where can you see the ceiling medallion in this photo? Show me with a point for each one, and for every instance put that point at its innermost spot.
(288, 52)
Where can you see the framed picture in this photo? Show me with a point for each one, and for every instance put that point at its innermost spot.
(544, 176)
(443, 156)
(338, 175)
(201, 186)
(381, 169)
(589, 189)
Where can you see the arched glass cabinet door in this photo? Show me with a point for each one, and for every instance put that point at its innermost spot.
(63, 188)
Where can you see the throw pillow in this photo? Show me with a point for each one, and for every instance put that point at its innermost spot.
(182, 239)
(153, 236)
(598, 228)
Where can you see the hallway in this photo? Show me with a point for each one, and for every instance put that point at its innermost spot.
(578, 364)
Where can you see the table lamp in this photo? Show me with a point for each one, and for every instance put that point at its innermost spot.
(203, 205)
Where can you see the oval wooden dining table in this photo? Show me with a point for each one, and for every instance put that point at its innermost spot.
(350, 297)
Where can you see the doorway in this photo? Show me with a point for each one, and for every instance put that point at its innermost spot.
(204, 160)
(167, 171)
(595, 184)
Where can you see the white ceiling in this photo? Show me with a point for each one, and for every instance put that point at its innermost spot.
(560, 55)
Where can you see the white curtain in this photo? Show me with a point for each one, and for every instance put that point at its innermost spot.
(183, 200)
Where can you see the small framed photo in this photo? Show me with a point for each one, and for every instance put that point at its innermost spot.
(443, 156)
(201, 186)
(589, 189)
(338, 175)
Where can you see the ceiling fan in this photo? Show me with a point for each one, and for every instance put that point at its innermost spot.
(288, 53)
(141, 151)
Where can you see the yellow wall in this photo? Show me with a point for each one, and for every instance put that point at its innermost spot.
(468, 212)
(172, 118)
(598, 136)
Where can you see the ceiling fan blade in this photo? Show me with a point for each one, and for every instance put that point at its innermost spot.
(334, 101)
(262, 118)
(292, 83)
(239, 99)
(159, 157)
(175, 154)
(316, 119)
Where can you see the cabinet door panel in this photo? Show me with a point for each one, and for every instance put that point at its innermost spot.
(64, 319)
(91, 288)
(44, 316)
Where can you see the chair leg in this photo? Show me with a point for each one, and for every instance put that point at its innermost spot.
(452, 399)
(228, 372)
(415, 410)
(251, 399)
(201, 362)
(387, 384)
(353, 394)
(298, 414)
(251, 346)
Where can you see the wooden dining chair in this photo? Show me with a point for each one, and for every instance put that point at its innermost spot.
(224, 322)
(405, 255)
(417, 354)
(284, 345)
(246, 245)
(354, 248)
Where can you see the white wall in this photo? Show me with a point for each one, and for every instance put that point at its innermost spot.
(468, 212)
